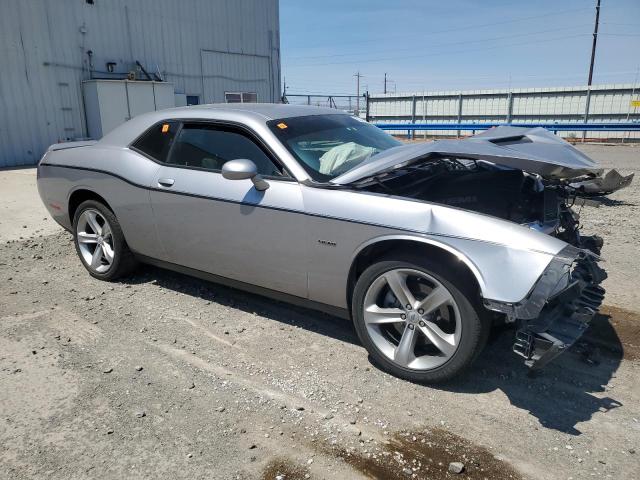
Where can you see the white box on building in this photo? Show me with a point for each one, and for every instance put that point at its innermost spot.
(108, 103)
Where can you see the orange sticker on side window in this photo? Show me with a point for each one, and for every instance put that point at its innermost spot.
(282, 125)
(165, 128)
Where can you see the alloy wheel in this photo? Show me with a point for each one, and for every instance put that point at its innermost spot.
(95, 240)
(412, 318)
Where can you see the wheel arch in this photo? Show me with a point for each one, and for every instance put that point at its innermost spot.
(374, 249)
(80, 195)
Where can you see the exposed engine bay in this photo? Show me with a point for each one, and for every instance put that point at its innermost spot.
(547, 205)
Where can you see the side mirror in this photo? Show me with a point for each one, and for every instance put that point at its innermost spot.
(243, 169)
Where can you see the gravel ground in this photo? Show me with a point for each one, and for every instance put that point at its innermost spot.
(161, 375)
(22, 214)
(618, 222)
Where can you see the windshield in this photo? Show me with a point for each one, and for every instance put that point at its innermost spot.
(329, 145)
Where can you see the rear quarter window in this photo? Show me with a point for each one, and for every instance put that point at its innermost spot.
(157, 141)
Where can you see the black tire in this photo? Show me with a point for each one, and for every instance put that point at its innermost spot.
(474, 326)
(124, 261)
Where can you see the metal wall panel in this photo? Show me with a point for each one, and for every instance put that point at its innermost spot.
(235, 72)
(607, 103)
(44, 45)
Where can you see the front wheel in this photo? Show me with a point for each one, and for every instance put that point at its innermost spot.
(100, 243)
(415, 322)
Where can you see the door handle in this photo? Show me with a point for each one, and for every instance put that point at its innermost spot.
(165, 182)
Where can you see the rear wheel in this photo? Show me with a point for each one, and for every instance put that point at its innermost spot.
(415, 321)
(100, 243)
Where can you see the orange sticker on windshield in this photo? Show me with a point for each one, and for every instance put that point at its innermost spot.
(165, 128)
(282, 125)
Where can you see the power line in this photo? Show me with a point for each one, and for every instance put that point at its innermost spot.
(337, 88)
(421, 82)
(446, 44)
(619, 24)
(386, 59)
(516, 78)
(455, 76)
(460, 28)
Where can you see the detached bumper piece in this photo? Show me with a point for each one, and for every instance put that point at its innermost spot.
(564, 318)
(598, 186)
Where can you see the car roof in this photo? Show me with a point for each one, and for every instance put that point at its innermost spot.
(256, 114)
(268, 111)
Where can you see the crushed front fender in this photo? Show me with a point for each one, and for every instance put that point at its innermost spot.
(565, 316)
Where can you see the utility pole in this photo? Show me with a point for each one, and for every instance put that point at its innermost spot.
(593, 57)
(595, 40)
(284, 90)
(358, 77)
(385, 82)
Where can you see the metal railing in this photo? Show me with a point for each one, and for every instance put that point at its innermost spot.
(349, 103)
(570, 109)
(554, 127)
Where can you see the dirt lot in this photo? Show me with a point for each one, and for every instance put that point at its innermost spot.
(164, 376)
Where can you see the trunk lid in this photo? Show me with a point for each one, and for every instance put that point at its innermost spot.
(67, 145)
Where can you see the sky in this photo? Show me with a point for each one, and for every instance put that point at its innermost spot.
(427, 45)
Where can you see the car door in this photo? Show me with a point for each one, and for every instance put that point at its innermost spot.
(227, 227)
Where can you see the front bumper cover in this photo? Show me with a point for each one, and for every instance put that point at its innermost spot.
(565, 315)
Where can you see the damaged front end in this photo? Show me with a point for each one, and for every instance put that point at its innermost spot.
(558, 309)
(529, 177)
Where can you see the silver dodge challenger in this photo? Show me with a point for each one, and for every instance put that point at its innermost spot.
(424, 246)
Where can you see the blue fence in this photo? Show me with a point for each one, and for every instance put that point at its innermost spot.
(554, 127)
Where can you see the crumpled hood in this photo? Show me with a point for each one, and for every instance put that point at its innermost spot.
(534, 150)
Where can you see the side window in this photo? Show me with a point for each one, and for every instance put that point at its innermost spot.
(209, 147)
(157, 141)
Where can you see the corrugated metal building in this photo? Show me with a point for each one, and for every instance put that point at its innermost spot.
(210, 50)
(600, 103)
